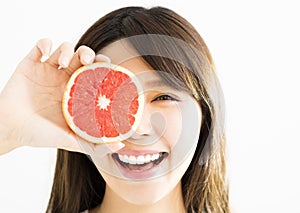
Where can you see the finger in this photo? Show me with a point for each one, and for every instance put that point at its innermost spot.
(83, 56)
(99, 150)
(111, 147)
(67, 142)
(42, 48)
(62, 55)
(60, 138)
(102, 58)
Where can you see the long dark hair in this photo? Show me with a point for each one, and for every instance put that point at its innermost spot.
(77, 183)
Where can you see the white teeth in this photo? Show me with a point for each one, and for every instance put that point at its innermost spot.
(132, 160)
(147, 158)
(154, 157)
(141, 159)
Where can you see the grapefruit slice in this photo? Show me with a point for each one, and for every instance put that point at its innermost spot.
(102, 103)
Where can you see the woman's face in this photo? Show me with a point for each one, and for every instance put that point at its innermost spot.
(157, 155)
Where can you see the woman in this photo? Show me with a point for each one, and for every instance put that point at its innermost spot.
(182, 119)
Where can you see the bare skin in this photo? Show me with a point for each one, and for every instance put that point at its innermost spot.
(31, 101)
(177, 126)
(31, 105)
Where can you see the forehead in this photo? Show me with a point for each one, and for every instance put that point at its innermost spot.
(121, 53)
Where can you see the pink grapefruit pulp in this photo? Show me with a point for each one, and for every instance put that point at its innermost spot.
(102, 103)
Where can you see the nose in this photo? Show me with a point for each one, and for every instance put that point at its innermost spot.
(150, 129)
(144, 127)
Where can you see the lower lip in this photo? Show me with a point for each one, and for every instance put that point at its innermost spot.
(140, 174)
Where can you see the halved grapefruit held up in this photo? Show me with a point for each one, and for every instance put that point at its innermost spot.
(103, 103)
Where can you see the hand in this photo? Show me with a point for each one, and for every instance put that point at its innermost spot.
(30, 103)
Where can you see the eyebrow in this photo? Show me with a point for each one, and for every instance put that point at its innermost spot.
(160, 83)
(156, 83)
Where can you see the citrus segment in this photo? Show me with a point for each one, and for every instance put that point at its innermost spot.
(102, 103)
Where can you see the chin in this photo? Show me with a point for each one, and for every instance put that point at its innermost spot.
(147, 192)
(142, 192)
(143, 199)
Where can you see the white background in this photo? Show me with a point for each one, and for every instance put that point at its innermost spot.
(256, 48)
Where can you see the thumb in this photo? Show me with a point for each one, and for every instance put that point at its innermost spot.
(99, 150)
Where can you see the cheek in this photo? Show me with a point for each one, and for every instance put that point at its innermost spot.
(182, 131)
(180, 123)
(173, 126)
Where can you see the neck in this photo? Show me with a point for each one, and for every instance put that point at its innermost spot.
(172, 203)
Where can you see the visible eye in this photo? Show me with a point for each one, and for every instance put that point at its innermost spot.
(164, 98)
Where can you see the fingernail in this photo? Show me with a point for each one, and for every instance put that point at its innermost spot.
(88, 59)
(64, 62)
(47, 51)
(101, 57)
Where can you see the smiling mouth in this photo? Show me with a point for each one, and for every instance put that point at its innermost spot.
(140, 163)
